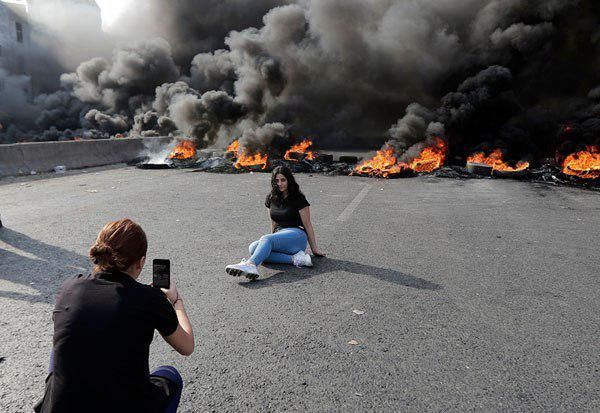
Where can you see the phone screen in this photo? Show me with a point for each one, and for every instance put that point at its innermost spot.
(161, 273)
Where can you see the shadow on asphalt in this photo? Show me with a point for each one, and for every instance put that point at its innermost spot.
(36, 272)
(290, 274)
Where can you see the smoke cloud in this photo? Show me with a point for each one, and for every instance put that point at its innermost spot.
(485, 73)
(191, 27)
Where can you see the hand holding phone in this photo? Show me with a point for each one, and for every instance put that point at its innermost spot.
(161, 273)
(172, 293)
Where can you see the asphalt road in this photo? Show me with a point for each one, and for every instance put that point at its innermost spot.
(478, 295)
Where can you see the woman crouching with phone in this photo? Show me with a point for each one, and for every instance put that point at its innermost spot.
(103, 326)
(291, 229)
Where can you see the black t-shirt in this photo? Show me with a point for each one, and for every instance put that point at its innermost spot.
(103, 327)
(286, 214)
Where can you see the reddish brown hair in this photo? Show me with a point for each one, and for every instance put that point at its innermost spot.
(120, 244)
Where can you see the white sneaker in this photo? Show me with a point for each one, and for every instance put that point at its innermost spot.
(244, 268)
(302, 259)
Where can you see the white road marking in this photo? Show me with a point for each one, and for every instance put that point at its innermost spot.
(354, 204)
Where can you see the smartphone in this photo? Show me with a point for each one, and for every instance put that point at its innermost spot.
(161, 273)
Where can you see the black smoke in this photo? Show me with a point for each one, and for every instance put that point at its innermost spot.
(480, 73)
(191, 27)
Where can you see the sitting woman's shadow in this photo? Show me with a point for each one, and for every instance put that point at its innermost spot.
(286, 274)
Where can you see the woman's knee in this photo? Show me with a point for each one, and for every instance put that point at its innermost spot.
(253, 247)
(171, 373)
(267, 238)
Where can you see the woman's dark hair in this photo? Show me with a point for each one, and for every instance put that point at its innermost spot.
(293, 187)
(120, 244)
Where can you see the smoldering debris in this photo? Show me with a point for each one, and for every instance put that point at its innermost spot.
(234, 160)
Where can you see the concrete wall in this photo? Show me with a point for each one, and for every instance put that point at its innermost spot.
(22, 158)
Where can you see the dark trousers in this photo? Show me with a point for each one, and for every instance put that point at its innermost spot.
(174, 383)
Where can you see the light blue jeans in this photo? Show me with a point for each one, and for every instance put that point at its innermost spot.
(279, 247)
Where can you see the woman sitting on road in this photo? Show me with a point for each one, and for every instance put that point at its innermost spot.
(289, 215)
(103, 326)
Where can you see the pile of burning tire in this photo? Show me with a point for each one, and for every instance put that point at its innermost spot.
(582, 168)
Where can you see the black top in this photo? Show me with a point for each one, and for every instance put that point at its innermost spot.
(286, 214)
(103, 327)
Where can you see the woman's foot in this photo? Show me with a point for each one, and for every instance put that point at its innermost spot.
(246, 268)
(302, 259)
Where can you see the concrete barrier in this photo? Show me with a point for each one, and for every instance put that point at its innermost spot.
(23, 158)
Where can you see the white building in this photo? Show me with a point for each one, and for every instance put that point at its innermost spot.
(43, 38)
(15, 36)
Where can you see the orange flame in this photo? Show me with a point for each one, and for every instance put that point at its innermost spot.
(302, 147)
(383, 164)
(584, 164)
(233, 147)
(251, 160)
(185, 150)
(496, 161)
(431, 157)
(245, 160)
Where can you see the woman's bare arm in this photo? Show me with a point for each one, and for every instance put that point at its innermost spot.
(182, 340)
(271, 221)
(312, 241)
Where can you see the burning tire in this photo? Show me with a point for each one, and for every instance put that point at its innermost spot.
(295, 156)
(479, 169)
(351, 160)
(511, 174)
(324, 158)
(405, 173)
(154, 166)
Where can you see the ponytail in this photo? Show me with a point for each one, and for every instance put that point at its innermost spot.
(119, 245)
